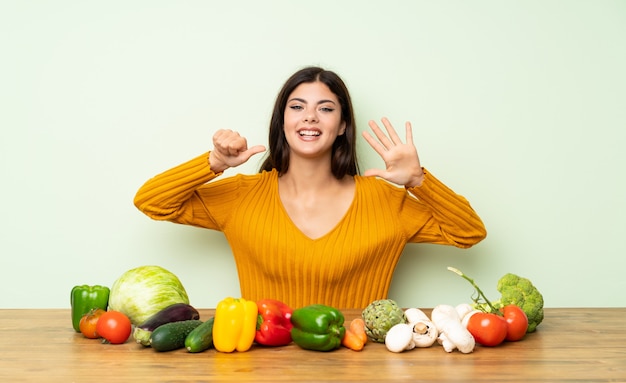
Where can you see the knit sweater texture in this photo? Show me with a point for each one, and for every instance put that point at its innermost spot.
(348, 267)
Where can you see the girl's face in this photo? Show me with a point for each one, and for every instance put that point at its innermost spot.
(312, 120)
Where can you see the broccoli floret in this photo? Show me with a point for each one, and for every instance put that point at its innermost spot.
(521, 292)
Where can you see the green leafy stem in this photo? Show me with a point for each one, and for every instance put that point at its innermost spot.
(477, 299)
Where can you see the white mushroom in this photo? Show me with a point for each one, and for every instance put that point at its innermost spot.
(424, 330)
(463, 309)
(400, 338)
(452, 334)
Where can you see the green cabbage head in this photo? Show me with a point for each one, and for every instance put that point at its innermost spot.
(142, 292)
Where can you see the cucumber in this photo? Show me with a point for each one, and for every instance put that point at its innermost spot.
(173, 313)
(201, 337)
(171, 336)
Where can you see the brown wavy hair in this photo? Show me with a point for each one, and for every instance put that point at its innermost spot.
(343, 157)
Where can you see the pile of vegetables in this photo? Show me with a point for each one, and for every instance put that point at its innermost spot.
(517, 312)
(516, 291)
(136, 296)
(151, 304)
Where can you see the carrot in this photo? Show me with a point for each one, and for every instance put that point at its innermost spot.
(357, 326)
(355, 336)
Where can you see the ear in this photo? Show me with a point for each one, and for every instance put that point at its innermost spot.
(342, 129)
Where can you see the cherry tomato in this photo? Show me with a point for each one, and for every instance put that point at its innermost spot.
(516, 322)
(114, 326)
(87, 324)
(487, 329)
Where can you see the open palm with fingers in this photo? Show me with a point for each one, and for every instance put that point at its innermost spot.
(401, 159)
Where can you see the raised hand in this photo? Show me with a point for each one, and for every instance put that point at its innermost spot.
(230, 150)
(401, 159)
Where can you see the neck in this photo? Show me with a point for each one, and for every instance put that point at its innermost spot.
(309, 175)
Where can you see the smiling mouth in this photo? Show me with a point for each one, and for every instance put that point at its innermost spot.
(309, 133)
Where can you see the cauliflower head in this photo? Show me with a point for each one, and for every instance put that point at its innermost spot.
(521, 292)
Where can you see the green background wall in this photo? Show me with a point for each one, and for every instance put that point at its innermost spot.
(518, 105)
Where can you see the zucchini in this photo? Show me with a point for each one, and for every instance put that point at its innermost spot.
(171, 336)
(201, 337)
(173, 313)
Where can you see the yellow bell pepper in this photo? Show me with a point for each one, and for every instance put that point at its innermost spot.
(234, 325)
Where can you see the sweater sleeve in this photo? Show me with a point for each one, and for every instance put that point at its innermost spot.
(453, 221)
(173, 195)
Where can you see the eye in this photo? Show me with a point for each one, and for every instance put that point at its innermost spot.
(295, 107)
(327, 109)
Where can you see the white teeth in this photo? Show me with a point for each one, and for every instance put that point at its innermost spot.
(309, 133)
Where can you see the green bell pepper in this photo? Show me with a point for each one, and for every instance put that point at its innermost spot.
(317, 327)
(85, 298)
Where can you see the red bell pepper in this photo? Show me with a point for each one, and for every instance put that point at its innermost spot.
(273, 323)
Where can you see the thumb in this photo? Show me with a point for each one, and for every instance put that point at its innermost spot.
(254, 150)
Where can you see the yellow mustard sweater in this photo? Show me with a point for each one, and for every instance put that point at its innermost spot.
(349, 267)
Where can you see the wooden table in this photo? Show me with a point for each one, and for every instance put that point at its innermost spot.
(587, 345)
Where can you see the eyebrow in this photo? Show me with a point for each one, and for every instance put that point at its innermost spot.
(318, 103)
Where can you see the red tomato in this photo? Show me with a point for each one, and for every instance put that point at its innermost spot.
(87, 324)
(516, 322)
(487, 329)
(114, 326)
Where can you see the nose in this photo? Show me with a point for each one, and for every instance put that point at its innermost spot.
(310, 116)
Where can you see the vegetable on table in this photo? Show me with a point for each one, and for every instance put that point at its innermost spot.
(452, 334)
(201, 337)
(487, 329)
(141, 292)
(516, 322)
(317, 327)
(88, 323)
(424, 331)
(419, 331)
(465, 310)
(380, 316)
(172, 313)
(355, 337)
(114, 327)
(84, 298)
(172, 336)
(234, 327)
(273, 323)
(521, 292)
(400, 338)
(514, 290)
